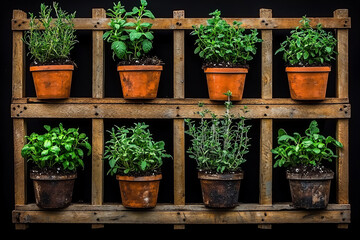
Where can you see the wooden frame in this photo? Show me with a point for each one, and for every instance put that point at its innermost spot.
(264, 213)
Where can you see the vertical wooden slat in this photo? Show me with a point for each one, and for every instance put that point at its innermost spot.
(179, 92)
(19, 125)
(97, 182)
(266, 129)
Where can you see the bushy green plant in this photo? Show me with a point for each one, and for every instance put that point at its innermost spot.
(308, 46)
(132, 151)
(129, 40)
(219, 144)
(54, 42)
(57, 148)
(218, 41)
(308, 150)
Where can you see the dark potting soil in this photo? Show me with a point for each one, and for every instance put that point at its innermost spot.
(142, 61)
(54, 62)
(309, 65)
(141, 174)
(311, 171)
(52, 171)
(224, 64)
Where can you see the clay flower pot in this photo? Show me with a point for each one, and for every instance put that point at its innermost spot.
(220, 190)
(140, 81)
(52, 81)
(139, 192)
(221, 80)
(310, 192)
(53, 191)
(308, 83)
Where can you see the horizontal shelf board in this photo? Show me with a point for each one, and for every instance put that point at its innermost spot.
(186, 214)
(187, 23)
(176, 108)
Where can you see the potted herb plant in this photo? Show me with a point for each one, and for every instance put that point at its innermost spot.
(225, 49)
(219, 145)
(307, 53)
(136, 159)
(302, 156)
(50, 50)
(56, 156)
(131, 41)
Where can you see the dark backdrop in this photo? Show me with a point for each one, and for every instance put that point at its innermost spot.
(162, 129)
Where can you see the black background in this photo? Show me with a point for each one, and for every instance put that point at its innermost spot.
(162, 129)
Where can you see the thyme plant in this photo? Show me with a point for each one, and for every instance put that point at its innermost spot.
(53, 43)
(133, 151)
(219, 145)
(308, 46)
(129, 40)
(219, 41)
(308, 150)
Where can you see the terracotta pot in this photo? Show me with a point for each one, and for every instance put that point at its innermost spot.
(308, 83)
(139, 192)
(310, 192)
(140, 81)
(52, 81)
(220, 190)
(53, 191)
(221, 80)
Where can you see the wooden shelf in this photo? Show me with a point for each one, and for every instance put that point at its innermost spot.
(248, 213)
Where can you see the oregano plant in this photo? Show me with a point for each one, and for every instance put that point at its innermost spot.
(129, 39)
(218, 144)
(308, 46)
(220, 42)
(53, 43)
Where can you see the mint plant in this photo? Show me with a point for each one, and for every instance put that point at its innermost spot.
(132, 151)
(129, 40)
(308, 150)
(308, 46)
(219, 42)
(57, 148)
(218, 145)
(53, 44)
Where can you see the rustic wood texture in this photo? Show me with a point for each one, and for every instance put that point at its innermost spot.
(187, 23)
(187, 214)
(177, 111)
(342, 166)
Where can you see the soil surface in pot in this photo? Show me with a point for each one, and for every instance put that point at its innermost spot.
(224, 64)
(311, 171)
(54, 62)
(142, 61)
(141, 174)
(309, 65)
(52, 171)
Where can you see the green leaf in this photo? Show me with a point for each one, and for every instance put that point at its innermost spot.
(149, 35)
(143, 165)
(146, 45)
(47, 127)
(135, 35)
(119, 48)
(149, 14)
(47, 143)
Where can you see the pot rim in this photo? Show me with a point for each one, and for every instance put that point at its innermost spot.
(156, 177)
(300, 176)
(67, 67)
(308, 69)
(226, 70)
(57, 177)
(221, 176)
(139, 68)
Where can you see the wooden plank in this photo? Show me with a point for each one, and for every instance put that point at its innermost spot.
(181, 101)
(179, 125)
(18, 61)
(187, 23)
(189, 214)
(174, 111)
(342, 166)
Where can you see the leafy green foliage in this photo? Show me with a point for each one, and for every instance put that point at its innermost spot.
(58, 38)
(308, 150)
(132, 150)
(308, 46)
(129, 40)
(59, 147)
(219, 41)
(218, 144)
